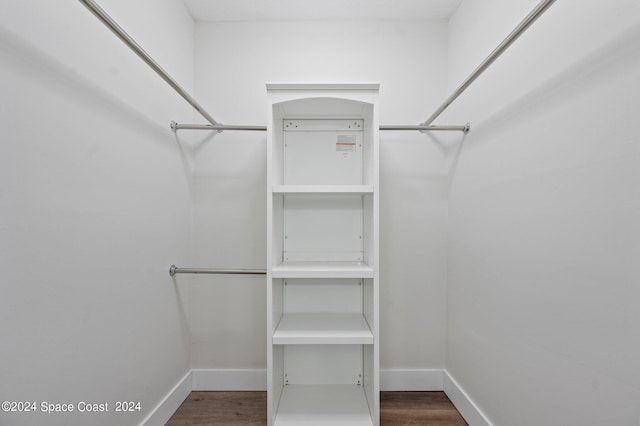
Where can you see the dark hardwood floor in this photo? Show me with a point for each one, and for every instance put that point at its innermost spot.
(418, 408)
(250, 408)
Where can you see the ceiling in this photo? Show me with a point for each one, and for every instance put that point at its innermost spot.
(286, 10)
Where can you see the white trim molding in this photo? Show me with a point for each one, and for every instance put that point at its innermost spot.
(463, 403)
(162, 412)
(256, 380)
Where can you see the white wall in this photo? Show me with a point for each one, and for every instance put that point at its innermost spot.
(95, 204)
(544, 241)
(234, 60)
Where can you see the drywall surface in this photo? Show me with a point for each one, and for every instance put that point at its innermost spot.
(544, 240)
(95, 204)
(234, 60)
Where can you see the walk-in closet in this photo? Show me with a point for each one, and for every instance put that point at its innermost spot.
(327, 213)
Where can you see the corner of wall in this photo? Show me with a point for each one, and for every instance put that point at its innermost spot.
(463, 403)
(170, 403)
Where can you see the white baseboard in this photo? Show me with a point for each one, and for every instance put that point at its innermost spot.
(465, 405)
(161, 414)
(256, 380)
(411, 380)
(228, 380)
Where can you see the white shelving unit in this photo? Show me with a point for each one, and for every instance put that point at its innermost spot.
(322, 273)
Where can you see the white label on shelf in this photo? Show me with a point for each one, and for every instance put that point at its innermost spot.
(346, 143)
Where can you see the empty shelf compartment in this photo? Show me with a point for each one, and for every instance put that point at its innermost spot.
(330, 405)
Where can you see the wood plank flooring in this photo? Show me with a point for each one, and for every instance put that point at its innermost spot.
(418, 408)
(250, 408)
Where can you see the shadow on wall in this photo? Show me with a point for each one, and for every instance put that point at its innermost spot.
(450, 145)
(185, 329)
(456, 148)
(53, 75)
(611, 59)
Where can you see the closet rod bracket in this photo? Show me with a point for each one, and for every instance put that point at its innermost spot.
(467, 128)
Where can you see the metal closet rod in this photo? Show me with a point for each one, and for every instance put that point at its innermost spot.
(513, 36)
(175, 270)
(131, 43)
(220, 127)
(425, 126)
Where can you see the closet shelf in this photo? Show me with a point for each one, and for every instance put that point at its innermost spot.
(327, 405)
(323, 189)
(323, 328)
(322, 270)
